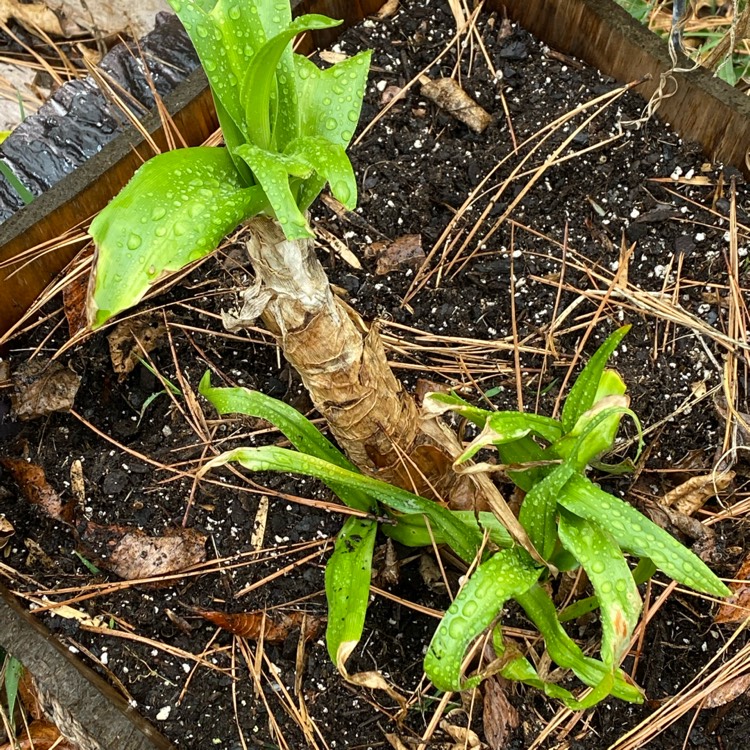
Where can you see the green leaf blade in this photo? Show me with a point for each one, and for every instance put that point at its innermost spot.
(331, 164)
(613, 583)
(582, 394)
(464, 540)
(330, 100)
(272, 172)
(347, 577)
(505, 575)
(538, 513)
(261, 75)
(565, 652)
(299, 430)
(176, 209)
(640, 536)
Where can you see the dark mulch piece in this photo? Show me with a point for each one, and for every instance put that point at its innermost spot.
(415, 169)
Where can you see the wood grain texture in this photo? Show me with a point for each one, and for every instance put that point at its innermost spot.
(703, 109)
(83, 706)
(81, 194)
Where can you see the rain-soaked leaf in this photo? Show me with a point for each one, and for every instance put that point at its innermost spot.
(274, 626)
(43, 387)
(35, 488)
(737, 607)
(176, 209)
(132, 339)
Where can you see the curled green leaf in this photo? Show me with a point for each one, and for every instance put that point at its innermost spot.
(601, 558)
(566, 653)
(506, 575)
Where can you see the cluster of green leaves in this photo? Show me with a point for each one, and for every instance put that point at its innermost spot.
(286, 125)
(570, 520)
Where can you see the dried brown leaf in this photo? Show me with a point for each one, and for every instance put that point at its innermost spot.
(33, 15)
(403, 251)
(132, 339)
(449, 96)
(388, 9)
(692, 495)
(466, 738)
(499, 716)
(140, 556)
(6, 531)
(275, 627)
(396, 742)
(737, 607)
(74, 303)
(41, 735)
(728, 692)
(35, 488)
(42, 387)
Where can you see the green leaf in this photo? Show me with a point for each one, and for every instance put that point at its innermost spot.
(642, 572)
(509, 426)
(521, 670)
(462, 539)
(260, 77)
(566, 653)
(412, 530)
(13, 673)
(272, 171)
(504, 576)
(330, 100)
(213, 50)
(538, 513)
(299, 430)
(582, 394)
(601, 558)
(593, 433)
(639, 536)
(176, 209)
(348, 587)
(525, 451)
(331, 164)
(436, 404)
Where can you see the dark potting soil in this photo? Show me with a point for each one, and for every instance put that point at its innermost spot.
(415, 169)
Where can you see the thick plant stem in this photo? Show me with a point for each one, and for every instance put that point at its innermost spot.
(343, 367)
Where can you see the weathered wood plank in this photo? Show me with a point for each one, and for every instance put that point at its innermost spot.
(85, 708)
(703, 109)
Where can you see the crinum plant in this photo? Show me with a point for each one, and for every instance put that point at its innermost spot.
(286, 125)
(571, 521)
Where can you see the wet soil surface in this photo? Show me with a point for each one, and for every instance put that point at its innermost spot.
(416, 167)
